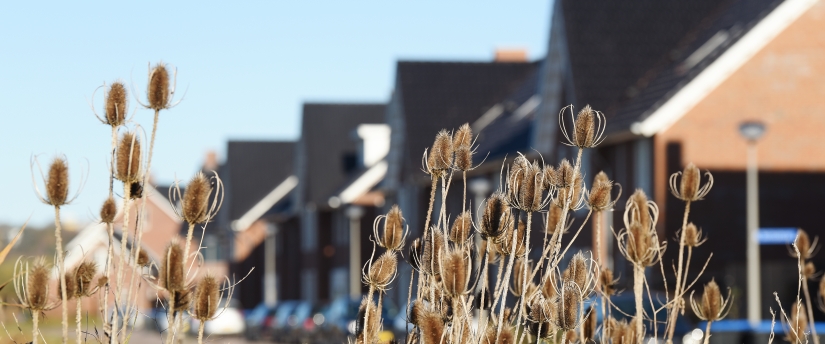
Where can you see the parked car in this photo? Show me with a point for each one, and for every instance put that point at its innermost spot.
(229, 320)
(278, 326)
(259, 321)
(302, 324)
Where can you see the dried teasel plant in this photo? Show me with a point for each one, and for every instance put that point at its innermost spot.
(690, 189)
(713, 306)
(461, 229)
(394, 232)
(207, 298)
(160, 90)
(588, 127)
(31, 286)
(80, 284)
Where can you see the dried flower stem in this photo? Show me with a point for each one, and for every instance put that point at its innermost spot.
(524, 268)
(484, 282)
(78, 317)
(808, 305)
(35, 323)
(707, 332)
(638, 290)
(507, 271)
(124, 237)
(170, 319)
(58, 237)
(677, 293)
(200, 332)
(111, 228)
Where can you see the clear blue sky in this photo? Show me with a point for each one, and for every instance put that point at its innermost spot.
(248, 67)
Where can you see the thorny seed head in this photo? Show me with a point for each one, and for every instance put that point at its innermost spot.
(638, 209)
(128, 158)
(432, 328)
(172, 269)
(143, 258)
(116, 104)
(382, 271)
(577, 271)
(507, 245)
(803, 244)
(640, 245)
(809, 270)
(496, 218)
(548, 287)
(71, 286)
(506, 337)
(416, 313)
(102, 281)
(564, 193)
(461, 228)
(440, 157)
(433, 249)
(518, 288)
(393, 237)
(590, 324)
(585, 126)
(530, 188)
(693, 236)
(549, 177)
(714, 306)
(455, 274)
(462, 142)
(599, 197)
(83, 276)
(568, 309)
(183, 299)
(195, 203)
(369, 312)
(37, 286)
(136, 190)
(564, 174)
(57, 183)
(108, 211)
(207, 298)
(690, 188)
(159, 92)
(606, 282)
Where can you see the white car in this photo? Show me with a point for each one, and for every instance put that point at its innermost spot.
(228, 321)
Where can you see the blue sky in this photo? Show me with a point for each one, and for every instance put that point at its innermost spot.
(247, 67)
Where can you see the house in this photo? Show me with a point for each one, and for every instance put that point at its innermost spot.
(330, 155)
(676, 80)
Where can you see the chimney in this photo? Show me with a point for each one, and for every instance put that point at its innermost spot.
(211, 161)
(511, 55)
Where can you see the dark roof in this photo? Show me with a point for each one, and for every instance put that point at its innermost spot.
(445, 95)
(615, 45)
(327, 141)
(510, 132)
(731, 23)
(254, 169)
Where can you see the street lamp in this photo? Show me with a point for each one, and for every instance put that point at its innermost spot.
(752, 131)
(354, 214)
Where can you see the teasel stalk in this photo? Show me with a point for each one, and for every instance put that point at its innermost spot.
(173, 280)
(689, 189)
(79, 285)
(31, 285)
(208, 296)
(378, 275)
(56, 195)
(803, 250)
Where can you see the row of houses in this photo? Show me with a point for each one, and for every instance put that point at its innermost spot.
(675, 80)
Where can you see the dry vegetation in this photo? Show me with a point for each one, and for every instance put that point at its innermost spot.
(458, 300)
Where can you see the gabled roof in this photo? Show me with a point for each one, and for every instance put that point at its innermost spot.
(614, 44)
(626, 57)
(327, 140)
(445, 95)
(254, 170)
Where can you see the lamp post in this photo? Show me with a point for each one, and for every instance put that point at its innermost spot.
(354, 214)
(752, 131)
(270, 277)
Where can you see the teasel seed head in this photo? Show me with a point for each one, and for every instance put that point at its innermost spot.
(102, 281)
(464, 136)
(690, 189)
(639, 209)
(84, 274)
(136, 190)
(713, 306)
(461, 228)
(128, 158)
(195, 203)
(640, 245)
(432, 328)
(803, 244)
(382, 271)
(809, 270)
(693, 236)
(463, 141)
(599, 198)
(417, 312)
(496, 218)
(159, 92)
(143, 258)
(531, 188)
(564, 174)
(71, 286)
(518, 287)
(172, 269)
(440, 156)
(37, 286)
(116, 104)
(585, 126)
(540, 310)
(393, 235)
(507, 245)
(455, 272)
(568, 309)
(183, 299)
(507, 335)
(798, 323)
(548, 288)
(108, 211)
(606, 282)
(577, 271)
(207, 298)
(576, 197)
(433, 249)
(590, 325)
(57, 183)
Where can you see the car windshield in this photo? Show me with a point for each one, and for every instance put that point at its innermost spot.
(259, 312)
(303, 311)
(284, 310)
